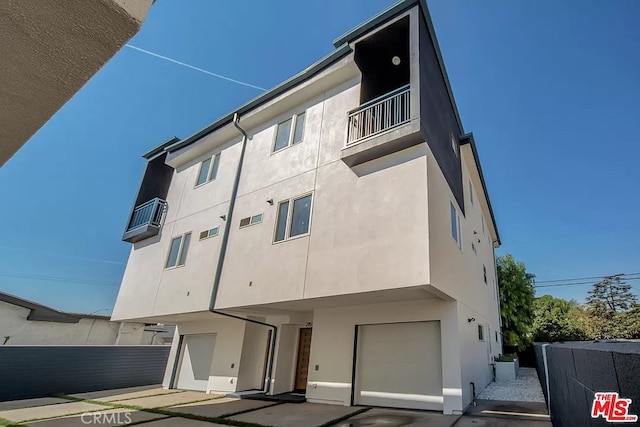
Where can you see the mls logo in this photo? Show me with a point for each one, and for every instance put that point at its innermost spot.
(612, 408)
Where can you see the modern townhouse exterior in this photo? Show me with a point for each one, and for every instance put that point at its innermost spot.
(332, 237)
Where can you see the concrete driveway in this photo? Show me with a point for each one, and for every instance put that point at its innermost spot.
(155, 407)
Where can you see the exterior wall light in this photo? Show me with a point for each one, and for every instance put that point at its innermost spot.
(395, 60)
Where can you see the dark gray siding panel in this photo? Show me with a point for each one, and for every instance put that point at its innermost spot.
(578, 370)
(156, 180)
(437, 116)
(37, 371)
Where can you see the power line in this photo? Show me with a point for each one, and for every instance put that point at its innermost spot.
(107, 261)
(578, 283)
(622, 276)
(57, 279)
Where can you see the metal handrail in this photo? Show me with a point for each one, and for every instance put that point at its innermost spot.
(379, 115)
(380, 98)
(148, 213)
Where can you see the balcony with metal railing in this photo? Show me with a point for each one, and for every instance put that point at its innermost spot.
(146, 220)
(379, 115)
(381, 126)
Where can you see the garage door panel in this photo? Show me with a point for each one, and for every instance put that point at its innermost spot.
(399, 365)
(196, 362)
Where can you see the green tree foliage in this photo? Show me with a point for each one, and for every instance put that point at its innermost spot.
(516, 301)
(556, 319)
(613, 310)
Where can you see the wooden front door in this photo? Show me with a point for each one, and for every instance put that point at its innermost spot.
(302, 366)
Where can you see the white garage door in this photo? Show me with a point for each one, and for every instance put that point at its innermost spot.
(399, 365)
(197, 358)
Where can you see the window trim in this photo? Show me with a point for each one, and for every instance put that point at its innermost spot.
(292, 132)
(214, 160)
(209, 236)
(287, 230)
(455, 215)
(180, 250)
(251, 221)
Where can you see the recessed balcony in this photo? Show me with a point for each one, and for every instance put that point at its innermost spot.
(146, 220)
(380, 127)
(379, 115)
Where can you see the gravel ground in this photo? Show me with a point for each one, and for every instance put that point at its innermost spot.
(525, 388)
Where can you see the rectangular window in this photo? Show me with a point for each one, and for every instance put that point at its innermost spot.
(209, 233)
(470, 192)
(484, 272)
(456, 232)
(454, 223)
(496, 336)
(208, 170)
(481, 332)
(289, 132)
(178, 251)
(294, 216)
(250, 220)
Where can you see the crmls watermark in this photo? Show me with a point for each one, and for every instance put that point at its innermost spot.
(108, 418)
(612, 408)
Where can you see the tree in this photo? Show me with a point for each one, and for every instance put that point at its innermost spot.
(613, 310)
(556, 319)
(516, 301)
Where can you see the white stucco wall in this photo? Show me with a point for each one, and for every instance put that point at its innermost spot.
(20, 331)
(333, 337)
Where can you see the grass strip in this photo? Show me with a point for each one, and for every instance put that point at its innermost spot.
(344, 417)
(161, 411)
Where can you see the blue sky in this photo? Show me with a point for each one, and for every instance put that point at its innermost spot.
(550, 90)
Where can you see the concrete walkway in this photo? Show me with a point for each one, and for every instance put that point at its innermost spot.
(155, 407)
(525, 388)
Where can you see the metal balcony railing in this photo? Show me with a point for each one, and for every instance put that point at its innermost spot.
(149, 213)
(379, 115)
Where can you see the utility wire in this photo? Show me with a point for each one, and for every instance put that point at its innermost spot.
(56, 278)
(229, 79)
(106, 261)
(622, 276)
(577, 283)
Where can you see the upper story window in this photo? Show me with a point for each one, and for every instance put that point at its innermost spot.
(250, 220)
(178, 252)
(208, 169)
(481, 332)
(470, 192)
(456, 233)
(294, 216)
(289, 132)
(209, 233)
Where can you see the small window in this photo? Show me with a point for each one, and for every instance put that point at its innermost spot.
(455, 226)
(250, 220)
(289, 132)
(470, 192)
(481, 332)
(454, 145)
(484, 272)
(209, 233)
(208, 170)
(496, 336)
(178, 251)
(294, 218)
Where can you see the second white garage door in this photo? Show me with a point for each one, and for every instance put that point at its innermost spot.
(197, 358)
(399, 365)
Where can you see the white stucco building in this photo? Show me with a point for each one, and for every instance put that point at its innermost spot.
(24, 322)
(332, 237)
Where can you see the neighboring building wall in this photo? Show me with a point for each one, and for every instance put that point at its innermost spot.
(20, 331)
